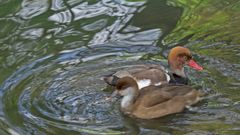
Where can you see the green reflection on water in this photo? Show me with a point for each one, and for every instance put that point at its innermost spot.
(213, 21)
(216, 20)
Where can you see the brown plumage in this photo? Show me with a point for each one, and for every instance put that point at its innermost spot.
(146, 75)
(154, 101)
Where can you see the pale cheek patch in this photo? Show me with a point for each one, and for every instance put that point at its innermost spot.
(143, 83)
(128, 97)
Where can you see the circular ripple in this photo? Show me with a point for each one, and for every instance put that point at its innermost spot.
(57, 94)
(64, 92)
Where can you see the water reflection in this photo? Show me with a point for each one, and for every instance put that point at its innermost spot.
(86, 10)
(97, 25)
(33, 33)
(32, 8)
(57, 5)
(53, 54)
(124, 11)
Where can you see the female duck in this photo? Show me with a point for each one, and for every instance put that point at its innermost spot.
(146, 75)
(152, 101)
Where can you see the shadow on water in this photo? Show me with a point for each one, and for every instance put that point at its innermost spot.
(53, 54)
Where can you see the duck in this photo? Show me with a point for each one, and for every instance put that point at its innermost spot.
(146, 75)
(154, 101)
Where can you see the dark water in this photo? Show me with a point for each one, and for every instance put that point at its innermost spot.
(53, 54)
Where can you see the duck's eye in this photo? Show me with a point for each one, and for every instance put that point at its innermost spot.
(185, 58)
(119, 87)
(182, 58)
(188, 58)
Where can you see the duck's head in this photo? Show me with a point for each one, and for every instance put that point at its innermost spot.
(126, 86)
(179, 57)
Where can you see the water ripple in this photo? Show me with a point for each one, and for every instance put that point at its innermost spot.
(59, 92)
(33, 8)
(53, 54)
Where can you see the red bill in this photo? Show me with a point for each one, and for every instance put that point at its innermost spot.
(194, 65)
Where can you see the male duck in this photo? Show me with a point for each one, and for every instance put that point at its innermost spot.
(146, 75)
(154, 101)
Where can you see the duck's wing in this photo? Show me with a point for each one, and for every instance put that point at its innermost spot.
(140, 68)
(151, 96)
(173, 105)
(177, 90)
(155, 75)
(159, 101)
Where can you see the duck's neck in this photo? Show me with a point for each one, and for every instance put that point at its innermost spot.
(129, 98)
(178, 76)
(177, 68)
(179, 72)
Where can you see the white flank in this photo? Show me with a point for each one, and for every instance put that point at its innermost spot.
(143, 83)
(158, 84)
(168, 77)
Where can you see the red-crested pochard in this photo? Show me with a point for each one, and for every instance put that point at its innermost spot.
(154, 101)
(146, 75)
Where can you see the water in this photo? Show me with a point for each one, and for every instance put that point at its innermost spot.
(53, 54)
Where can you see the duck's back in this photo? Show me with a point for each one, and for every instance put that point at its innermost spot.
(154, 102)
(144, 75)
